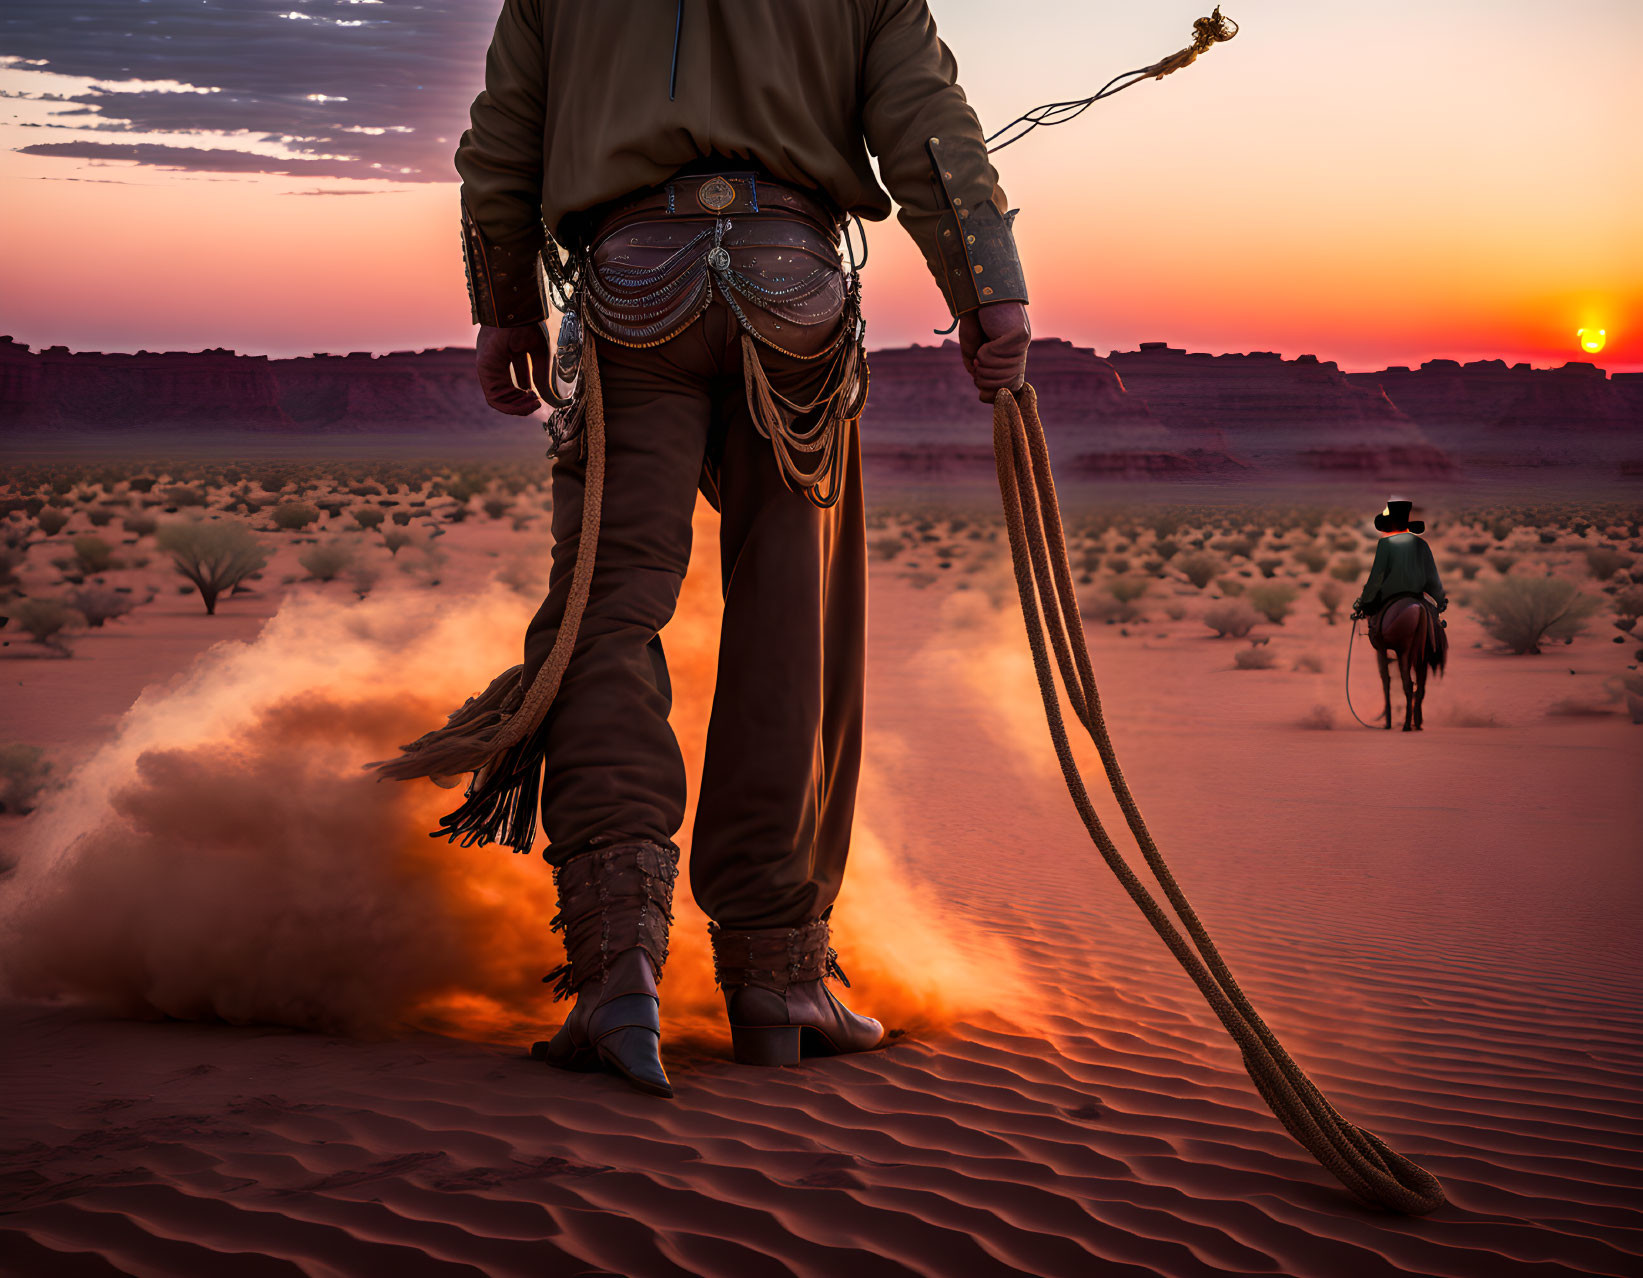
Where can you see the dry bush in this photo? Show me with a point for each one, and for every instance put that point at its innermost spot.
(52, 520)
(886, 547)
(396, 540)
(1166, 548)
(25, 773)
(401, 517)
(1127, 589)
(98, 604)
(139, 523)
(328, 560)
(1628, 603)
(1254, 659)
(1604, 561)
(1231, 587)
(293, 516)
(1469, 569)
(1199, 569)
(368, 516)
(11, 559)
(92, 554)
(1272, 600)
(1269, 566)
(362, 577)
(1320, 718)
(46, 621)
(1349, 570)
(1233, 619)
(1310, 662)
(1175, 611)
(180, 496)
(215, 554)
(496, 507)
(1502, 563)
(1520, 612)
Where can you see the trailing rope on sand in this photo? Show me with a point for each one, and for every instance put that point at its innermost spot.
(1360, 1160)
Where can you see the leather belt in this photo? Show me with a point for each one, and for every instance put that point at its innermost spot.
(708, 195)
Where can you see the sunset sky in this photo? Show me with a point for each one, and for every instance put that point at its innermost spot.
(1371, 183)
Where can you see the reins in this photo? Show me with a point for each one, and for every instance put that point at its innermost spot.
(1360, 1160)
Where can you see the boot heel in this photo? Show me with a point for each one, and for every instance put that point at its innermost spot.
(765, 1045)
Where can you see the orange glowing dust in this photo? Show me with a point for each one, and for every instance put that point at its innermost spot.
(226, 856)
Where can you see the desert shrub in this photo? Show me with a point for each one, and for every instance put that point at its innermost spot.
(1520, 612)
(1469, 569)
(396, 540)
(1350, 569)
(1175, 611)
(362, 577)
(1319, 718)
(182, 495)
(92, 553)
(1233, 619)
(368, 516)
(1272, 600)
(1502, 563)
(1502, 528)
(1239, 547)
(887, 547)
(294, 515)
(496, 507)
(1628, 603)
(139, 523)
(1310, 662)
(52, 520)
(401, 517)
(98, 604)
(100, 516)
(45, 621)
(1269, 566)
(332, 507)
(1254, 659)
(1199, 569)
(11, 559)
(1166, 548)
(1231, 587)
(1127, 589)
(328, 560)
(1548, 536)
(25, 773)
(1604, 561)
(141, 483)
(216, 554)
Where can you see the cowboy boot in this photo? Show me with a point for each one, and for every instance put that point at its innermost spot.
(776, 995)
(615, 905)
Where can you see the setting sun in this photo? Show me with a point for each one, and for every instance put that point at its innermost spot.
(1592, 339)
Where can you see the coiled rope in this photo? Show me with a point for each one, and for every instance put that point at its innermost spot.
(1360, 1160)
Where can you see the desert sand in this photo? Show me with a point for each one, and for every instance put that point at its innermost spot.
(258, 1023)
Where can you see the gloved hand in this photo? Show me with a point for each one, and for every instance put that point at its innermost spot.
(993, 342)
(505, 359)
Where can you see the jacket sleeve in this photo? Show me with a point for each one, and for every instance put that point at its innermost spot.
(1433, 586)
(919, 124)
(500, 163)
(1377, 574)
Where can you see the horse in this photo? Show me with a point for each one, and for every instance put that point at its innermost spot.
(1405, 627)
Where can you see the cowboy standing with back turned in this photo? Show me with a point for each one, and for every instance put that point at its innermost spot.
(697, 161)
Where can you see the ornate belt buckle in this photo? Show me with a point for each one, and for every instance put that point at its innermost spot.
(715, 194)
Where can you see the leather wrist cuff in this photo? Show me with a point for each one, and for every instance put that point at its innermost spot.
(613, 898)
(507, 287)
(773, 958)
(976, 246)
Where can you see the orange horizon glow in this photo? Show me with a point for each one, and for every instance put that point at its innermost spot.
(1373, 195)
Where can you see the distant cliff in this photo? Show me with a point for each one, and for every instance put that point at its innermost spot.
(1156, 411)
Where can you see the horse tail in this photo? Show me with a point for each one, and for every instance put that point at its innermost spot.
(1437, 644)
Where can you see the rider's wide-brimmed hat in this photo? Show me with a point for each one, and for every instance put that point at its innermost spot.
(1395, 517)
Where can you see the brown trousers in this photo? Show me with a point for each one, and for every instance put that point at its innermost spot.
(778, 784)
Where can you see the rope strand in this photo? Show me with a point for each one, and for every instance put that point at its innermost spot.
(1361, 1161)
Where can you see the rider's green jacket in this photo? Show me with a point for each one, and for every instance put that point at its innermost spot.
(1403, 565)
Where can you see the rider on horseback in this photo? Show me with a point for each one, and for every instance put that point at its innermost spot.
(1403, 563)
(1404, 569)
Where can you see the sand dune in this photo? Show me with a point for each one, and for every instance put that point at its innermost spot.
(1464, 983)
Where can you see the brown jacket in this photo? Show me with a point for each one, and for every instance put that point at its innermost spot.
(576, 112)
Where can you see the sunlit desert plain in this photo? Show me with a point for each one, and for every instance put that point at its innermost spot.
(258, 1022)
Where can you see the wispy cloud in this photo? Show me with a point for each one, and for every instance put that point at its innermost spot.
(322, 88)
